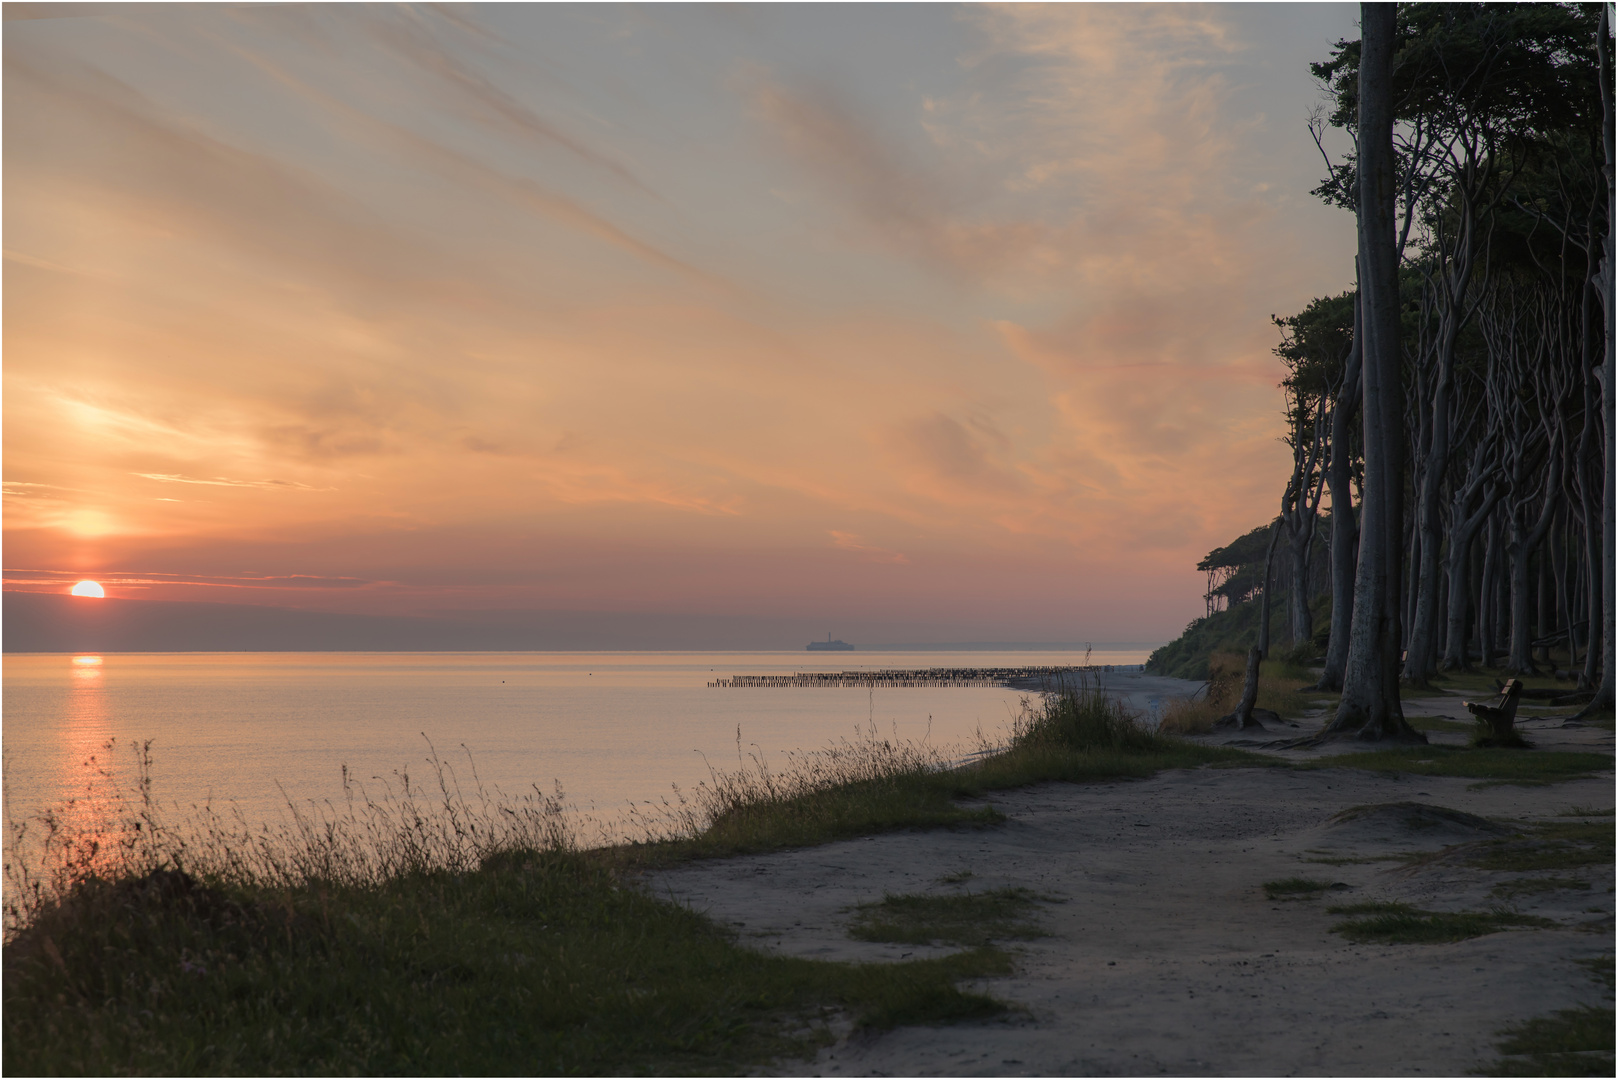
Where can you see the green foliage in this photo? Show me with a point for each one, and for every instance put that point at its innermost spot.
(976, 919)
(1234, 630)
(1401, 924)
(1517, 71)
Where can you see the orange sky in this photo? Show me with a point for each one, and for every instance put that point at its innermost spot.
(920, 313)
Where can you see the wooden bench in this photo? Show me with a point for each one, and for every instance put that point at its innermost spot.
(1498, 715)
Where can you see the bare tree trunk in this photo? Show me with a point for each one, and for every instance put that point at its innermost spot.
(1463, 530)
(1525, 540)
(1369, 708)
(1596, 603)
(1345, 531)
(1487, 593)
(1603, 704)
(1264, 602)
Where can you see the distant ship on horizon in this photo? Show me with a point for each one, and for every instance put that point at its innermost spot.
(830, 646)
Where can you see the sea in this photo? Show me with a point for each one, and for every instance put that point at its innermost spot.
(253, 735)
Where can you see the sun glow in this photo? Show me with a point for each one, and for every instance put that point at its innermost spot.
(89, 588)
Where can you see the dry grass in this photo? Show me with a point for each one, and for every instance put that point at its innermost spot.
(1278, 691)
(1195, 715)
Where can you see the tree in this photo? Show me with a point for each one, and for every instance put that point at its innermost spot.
(1369, 708)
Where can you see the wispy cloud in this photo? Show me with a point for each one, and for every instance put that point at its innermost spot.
(681, 313)
(221, 481)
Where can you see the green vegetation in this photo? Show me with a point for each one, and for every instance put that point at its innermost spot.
(1401, 924)
(1300, 888)
(424, 931)
(1279, 691)
(1495, 765)
(975, 919)
(1552, 846)
(1570, 1042)
(877, 785)
(536, 962)
(1235, 629)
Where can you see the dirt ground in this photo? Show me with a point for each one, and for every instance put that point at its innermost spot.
(1164, 955)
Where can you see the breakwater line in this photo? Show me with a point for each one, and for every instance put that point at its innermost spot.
(1019, 678)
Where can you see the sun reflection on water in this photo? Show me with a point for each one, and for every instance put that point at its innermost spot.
(83, 822)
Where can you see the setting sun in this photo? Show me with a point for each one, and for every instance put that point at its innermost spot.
(89, 588)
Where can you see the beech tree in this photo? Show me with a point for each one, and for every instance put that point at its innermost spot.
(1457, 407)
(1369, 707)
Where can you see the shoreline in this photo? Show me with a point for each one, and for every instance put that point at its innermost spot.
(1164, 953)
(1091, 899)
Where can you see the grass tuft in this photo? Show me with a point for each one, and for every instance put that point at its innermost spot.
(1550, 846)
(975, 919)
(1400, 924)
(1570, 1042)
(876, 785)
(1301, 888)
(1278, 690)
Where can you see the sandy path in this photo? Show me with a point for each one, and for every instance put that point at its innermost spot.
(1164, 955)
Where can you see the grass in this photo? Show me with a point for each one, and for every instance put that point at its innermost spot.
(973, 919)
(1569, 1042)
(424, 930)
(1300, 888)
(1549, 846)
(547, 964)
(1278, 691)
(856, 789)
(1492, 765)
(1401, 924)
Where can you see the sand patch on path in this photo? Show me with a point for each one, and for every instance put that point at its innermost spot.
(1165, 956)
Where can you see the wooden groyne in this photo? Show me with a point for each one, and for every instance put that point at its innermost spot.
(1022, 678)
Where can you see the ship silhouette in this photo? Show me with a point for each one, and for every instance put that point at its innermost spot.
(830, 646)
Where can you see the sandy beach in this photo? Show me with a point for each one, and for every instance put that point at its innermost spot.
(1164, 954)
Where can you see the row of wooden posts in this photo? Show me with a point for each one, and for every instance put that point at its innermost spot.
(1023, 678)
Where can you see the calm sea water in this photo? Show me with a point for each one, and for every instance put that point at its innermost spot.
(254, 731)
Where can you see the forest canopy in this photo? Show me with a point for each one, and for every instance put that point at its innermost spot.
(1499, 351)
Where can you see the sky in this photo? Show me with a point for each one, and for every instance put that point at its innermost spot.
(954, 317)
